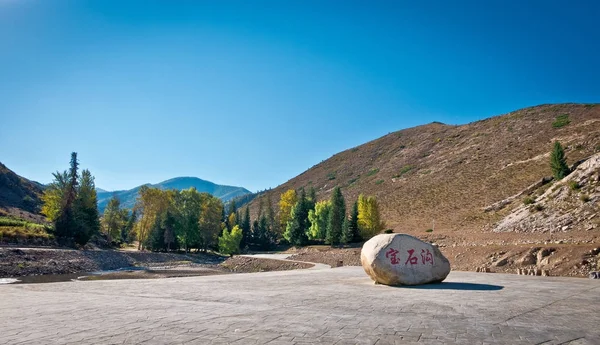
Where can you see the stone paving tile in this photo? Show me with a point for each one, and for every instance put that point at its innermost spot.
(337, 306)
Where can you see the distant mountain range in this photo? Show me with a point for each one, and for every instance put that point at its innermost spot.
(128, 197)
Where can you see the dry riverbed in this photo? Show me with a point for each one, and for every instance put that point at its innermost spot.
(46, 265)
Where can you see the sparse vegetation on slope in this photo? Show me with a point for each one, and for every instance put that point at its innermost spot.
(455, 171)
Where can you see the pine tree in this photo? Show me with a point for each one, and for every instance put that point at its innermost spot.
(558, 163)
(297, 226)
(353, 224)
(245, 226)
(336, 217)
(66, 224)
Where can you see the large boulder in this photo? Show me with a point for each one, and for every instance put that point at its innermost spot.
(400, 259)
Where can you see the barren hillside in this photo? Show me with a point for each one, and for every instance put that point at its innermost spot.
(451, 173)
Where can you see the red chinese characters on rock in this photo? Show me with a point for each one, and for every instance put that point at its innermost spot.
(391, 254)
(426, 257)
(413, 260)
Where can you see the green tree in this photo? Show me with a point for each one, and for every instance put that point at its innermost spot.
(336, 217)
(319, 218)
(229, 242)
(210, 221)
(86, 209)
(351, 232)
(151, 204)
(298, 224)
(369, 219)
(558, 163)
(262, 236)
(245, 226)
(54, 195)
(187, 209)
(112, 220)
(66, 224)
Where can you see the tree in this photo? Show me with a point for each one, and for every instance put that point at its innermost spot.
(369, 219)
(336, 217)
(319, 218)
(351, 233)
(54, 195)
(229, 242)
(271, 218)
(112, 220)
(66, 225)
(262, 235)
(70, 202)
(150, 204)
(286, 202)
(187, 208)
(558, 163)
(210, 221)
(245, 227)
(86, 209)
(298, 224)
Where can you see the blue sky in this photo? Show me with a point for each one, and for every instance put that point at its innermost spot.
(253, 93)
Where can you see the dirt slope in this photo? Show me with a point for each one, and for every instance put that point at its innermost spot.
(451, 173)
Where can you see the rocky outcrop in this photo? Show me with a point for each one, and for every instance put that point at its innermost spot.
(400, 259)
(569, 204)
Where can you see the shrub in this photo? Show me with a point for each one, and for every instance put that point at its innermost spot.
(388, 231)
(561, 121)
(584, 197)
(429, 230)
(403, 171)
(372, 172)
(379, 182)
(573, 185)
(331, 176)
(528, 200)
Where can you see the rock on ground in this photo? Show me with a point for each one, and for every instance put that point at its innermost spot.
(400, 259)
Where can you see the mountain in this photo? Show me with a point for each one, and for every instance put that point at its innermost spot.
(128, 197)
(444, 176)
(18, 194)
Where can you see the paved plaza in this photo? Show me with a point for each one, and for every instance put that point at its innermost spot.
(329, 306)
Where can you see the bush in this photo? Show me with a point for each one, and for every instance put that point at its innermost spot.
(229, 243)
(388, 231)
(372, 172)
(331, 176)
(561, 121)
(403, 171)
(379, 182)
(584, 197)
(573, 185)
(528, 200)
(429, 230)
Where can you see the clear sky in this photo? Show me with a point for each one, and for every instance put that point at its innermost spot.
(252, 93)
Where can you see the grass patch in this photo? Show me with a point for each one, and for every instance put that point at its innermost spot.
(23, 232)
(403, 171)
(373, 172)
(573, 185)
(528, 200)
(379, 182)
(561, 121)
